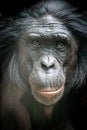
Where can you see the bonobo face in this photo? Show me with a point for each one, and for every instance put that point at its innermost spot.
(46, 50)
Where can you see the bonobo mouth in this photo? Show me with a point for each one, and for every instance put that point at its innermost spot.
(50, 92)
(48, 96)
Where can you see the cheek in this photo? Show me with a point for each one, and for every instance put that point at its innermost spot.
(25, 65)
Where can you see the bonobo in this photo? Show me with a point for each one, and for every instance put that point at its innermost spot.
(42, 60)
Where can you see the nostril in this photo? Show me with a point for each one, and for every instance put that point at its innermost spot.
(51, 66)
(44, 66)
(47, 66)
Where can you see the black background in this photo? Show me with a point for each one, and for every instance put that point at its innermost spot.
(12, 7)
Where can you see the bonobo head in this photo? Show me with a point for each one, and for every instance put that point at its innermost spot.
(45, 50)
(45, 55)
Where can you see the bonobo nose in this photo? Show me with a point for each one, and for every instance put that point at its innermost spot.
(47, 62)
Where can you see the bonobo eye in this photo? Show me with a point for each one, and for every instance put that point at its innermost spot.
(35, 44)
(60, 45)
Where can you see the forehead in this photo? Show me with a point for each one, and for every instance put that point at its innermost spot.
(47, 25)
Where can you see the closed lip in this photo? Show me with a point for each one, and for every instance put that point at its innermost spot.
(50, 92)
